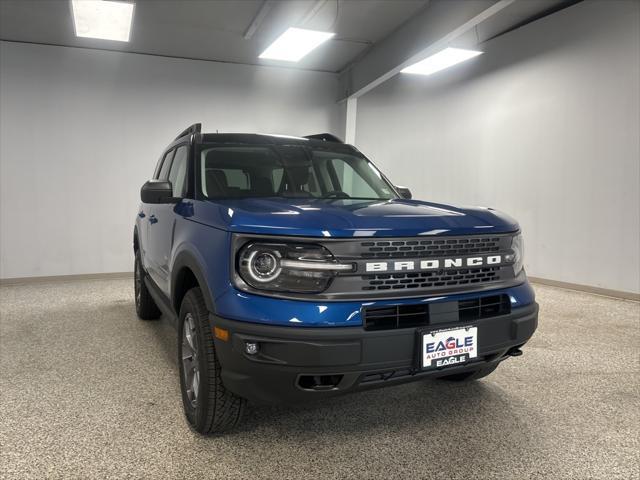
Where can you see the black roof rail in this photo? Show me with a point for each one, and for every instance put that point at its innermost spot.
(326, 137)
(195, 128)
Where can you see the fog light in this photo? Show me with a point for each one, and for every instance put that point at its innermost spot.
(251, 348)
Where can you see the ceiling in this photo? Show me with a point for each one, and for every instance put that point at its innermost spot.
(215, 29)
(221, 30)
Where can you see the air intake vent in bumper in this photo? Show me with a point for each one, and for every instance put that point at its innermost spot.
(423, 314)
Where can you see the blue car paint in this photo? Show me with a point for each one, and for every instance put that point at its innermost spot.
(349, 218)
(202, 230)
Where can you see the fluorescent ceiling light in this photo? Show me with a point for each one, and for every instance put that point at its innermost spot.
(441, 60)
(294, 44)
(102, 19)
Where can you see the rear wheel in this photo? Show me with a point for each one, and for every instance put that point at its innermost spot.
(470, 376)
(208, 405)
(146, 307)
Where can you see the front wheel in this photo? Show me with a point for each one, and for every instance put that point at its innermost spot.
(470, 376)
(208, 405)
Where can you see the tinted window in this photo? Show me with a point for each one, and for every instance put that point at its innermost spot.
(350, 180)
(289, 171)
(166, 164)
(276, 175)
(238, 172)
(236, 178)
(178, 173)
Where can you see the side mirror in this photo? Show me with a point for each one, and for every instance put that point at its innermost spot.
(404, 192)
(157, 191)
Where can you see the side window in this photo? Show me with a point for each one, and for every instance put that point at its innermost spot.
(156, 171)
(166, 164)
(178, 172)
(351, 181)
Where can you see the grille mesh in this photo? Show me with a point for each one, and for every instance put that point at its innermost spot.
(430, 248)
(441, 278)
(416, 315)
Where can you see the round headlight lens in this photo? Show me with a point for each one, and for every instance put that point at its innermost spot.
(264, 266)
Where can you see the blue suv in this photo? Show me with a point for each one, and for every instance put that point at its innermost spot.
(294, 270)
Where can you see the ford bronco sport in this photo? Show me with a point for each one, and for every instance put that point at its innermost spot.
(294, 270)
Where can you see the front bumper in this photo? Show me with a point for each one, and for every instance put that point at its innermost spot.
(236, 305)
(346, 358)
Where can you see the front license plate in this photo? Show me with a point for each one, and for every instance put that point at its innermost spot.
(453, 346)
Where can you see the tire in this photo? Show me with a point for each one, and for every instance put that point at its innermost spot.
(208, 405)
(470, 376)
(146, 307)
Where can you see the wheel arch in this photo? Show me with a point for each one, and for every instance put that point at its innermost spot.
(186, 274)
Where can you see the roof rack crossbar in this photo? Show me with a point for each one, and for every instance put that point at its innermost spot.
(325, 137)
(195, 128)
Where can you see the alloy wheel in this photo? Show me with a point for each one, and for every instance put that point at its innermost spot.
(190, 367)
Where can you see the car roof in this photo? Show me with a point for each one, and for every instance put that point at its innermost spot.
(326, 141)
(266, 139)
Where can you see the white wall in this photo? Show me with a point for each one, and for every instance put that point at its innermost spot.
(545, 126)
(81, 130)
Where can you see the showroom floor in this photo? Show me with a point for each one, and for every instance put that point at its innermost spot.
(87, 390)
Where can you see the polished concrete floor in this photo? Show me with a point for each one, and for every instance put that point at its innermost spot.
(89, 391)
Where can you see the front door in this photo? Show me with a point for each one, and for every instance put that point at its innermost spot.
(150, 247)
(165, 220)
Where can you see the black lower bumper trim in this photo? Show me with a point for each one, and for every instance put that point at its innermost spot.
(295, 364)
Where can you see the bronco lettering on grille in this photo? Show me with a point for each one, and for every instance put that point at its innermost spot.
(436, 264)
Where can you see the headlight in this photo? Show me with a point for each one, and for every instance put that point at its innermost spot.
(517, 257)
(263, 266)
(286, 267)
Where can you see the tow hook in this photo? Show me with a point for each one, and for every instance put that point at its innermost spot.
(514, 352)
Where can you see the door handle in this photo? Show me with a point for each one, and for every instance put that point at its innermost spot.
(153, 219)
(141, 214)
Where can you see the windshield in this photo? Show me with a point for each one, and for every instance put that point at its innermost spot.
(289, 171)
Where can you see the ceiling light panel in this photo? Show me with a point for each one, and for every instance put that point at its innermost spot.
(294, 44)
(441, 60)
(102, 19)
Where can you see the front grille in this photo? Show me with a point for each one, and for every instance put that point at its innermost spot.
(418, 315)
(441, 278)
(376, 275)
(430, 248)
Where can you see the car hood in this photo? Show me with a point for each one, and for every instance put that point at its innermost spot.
(350, 217)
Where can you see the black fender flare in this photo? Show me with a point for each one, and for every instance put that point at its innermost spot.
(187, 259)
